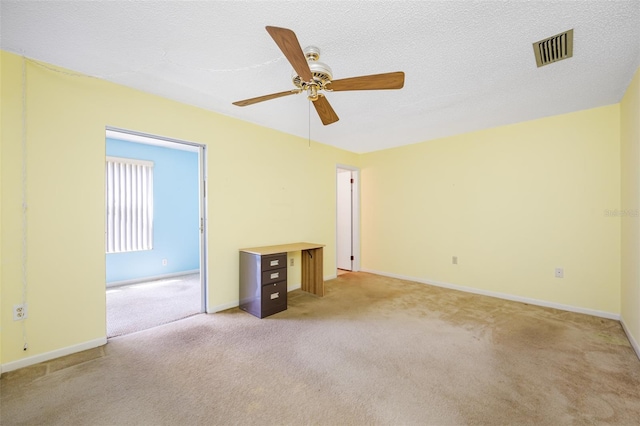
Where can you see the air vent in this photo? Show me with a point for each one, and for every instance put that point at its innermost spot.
(554, 49)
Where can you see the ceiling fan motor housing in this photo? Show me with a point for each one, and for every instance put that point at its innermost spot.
(320, 71)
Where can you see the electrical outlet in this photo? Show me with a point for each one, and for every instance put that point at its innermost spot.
(291, 262)
(19, 312)
(454, 260)
(559, 273)
(165, 262)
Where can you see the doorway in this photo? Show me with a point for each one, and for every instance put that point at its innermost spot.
(347, 220)
(166, 280)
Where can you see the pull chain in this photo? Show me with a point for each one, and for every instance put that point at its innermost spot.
(309, 124)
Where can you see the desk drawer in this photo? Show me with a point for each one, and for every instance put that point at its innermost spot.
(274, 298)
(274, 261)
(274, 275)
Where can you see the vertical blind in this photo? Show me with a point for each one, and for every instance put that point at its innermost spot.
(129, 192)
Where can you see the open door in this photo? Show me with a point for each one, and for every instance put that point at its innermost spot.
(347, 248)
(344, 221)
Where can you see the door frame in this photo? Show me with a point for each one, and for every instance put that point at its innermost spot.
(355, 216)
(204, 278)
(167, 142)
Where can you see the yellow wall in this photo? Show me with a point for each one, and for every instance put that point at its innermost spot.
(630, 158)
(512, 203)
(265, 187)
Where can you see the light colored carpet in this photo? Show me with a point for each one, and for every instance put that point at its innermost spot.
(140, 306)
(373, 351)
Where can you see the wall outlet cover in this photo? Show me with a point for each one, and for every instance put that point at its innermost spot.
(19, 312)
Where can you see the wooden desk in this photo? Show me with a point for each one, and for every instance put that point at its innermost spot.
(312, 274)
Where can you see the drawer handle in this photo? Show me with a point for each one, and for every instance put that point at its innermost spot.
(275, 275)
(275, 295)
(274, 262)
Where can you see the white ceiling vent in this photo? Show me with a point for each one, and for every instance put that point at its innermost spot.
(554, 49)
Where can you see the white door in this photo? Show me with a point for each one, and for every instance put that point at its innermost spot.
(344, 220)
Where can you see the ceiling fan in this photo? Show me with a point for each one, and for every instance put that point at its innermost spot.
(312, 76)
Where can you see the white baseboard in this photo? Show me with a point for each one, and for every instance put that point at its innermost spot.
(634, 343)
(152, 278)
(223, 307)
(506, 296)
(48, 356)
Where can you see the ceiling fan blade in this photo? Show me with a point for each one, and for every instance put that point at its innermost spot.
(288, 43)
(390, 80)
(325, 111)
(265, 98)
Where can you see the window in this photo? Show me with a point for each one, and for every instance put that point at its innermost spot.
(129, 192)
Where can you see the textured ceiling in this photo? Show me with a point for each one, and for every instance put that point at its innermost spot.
(469, 64)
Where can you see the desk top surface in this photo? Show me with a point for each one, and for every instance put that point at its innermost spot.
(282, 248)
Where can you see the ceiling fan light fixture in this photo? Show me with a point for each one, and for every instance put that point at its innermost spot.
(312, 92)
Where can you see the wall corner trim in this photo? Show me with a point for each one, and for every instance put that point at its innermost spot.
(634, 344)
(48, 356)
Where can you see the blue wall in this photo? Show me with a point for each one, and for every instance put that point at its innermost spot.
(176, 217)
